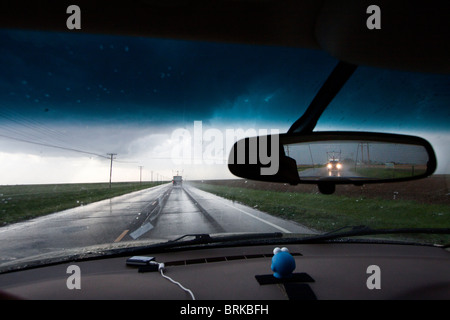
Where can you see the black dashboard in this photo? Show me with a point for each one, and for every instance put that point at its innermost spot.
(329, 271)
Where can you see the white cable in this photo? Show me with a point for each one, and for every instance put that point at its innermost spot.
(161, 268)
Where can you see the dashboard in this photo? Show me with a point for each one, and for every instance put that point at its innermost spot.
(323, 272)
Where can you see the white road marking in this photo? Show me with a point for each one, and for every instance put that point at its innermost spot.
(141, 230)
(257, 218)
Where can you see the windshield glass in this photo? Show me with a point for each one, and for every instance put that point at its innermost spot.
(108, 139)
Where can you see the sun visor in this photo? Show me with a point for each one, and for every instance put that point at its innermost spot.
(405, 35)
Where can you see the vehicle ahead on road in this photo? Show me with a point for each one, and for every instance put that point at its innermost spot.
(128, 91)
(177, 181)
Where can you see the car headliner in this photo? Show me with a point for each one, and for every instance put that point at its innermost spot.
(413, 36)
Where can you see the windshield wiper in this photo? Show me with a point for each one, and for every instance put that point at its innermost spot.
(205, 238)
(363, 230)
(278, 237)
(198, 239)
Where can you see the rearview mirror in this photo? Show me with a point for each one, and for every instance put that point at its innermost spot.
(330, 158)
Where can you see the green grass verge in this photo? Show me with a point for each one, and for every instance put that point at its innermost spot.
(388, 173)
(329, 212)
(23, 202)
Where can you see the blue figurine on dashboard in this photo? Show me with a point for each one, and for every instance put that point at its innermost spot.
(283, 263)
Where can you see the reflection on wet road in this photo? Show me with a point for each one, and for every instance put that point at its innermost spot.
(181, 215)
(163, 212)
(323, 172)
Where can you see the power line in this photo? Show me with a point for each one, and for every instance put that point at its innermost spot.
(53, 146)
(36, 130)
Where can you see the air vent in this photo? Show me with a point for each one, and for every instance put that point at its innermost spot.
(220, 259)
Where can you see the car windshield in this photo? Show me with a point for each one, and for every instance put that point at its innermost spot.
(112, 139)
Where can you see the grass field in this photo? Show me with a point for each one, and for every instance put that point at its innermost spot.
(323, 213)
(389, 173)
(326, 213)
(22, 202)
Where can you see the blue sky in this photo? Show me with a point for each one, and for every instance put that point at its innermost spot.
(103, 94)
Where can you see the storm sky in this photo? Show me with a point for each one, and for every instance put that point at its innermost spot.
(67, 100)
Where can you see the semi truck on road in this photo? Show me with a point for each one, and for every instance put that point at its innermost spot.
(177, 181)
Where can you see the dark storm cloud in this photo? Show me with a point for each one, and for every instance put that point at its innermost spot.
(62, 95)
(93, 76)
(392, 99)
(78, 77)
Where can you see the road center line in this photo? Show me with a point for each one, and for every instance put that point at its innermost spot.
(121, 236)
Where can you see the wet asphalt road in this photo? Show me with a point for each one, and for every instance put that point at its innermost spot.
(162, 212)
(318, 173)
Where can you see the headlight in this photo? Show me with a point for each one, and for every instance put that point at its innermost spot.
(329, 166)
(339, 166)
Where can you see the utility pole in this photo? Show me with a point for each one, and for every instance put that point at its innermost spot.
(110, 169)
(140, 174)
